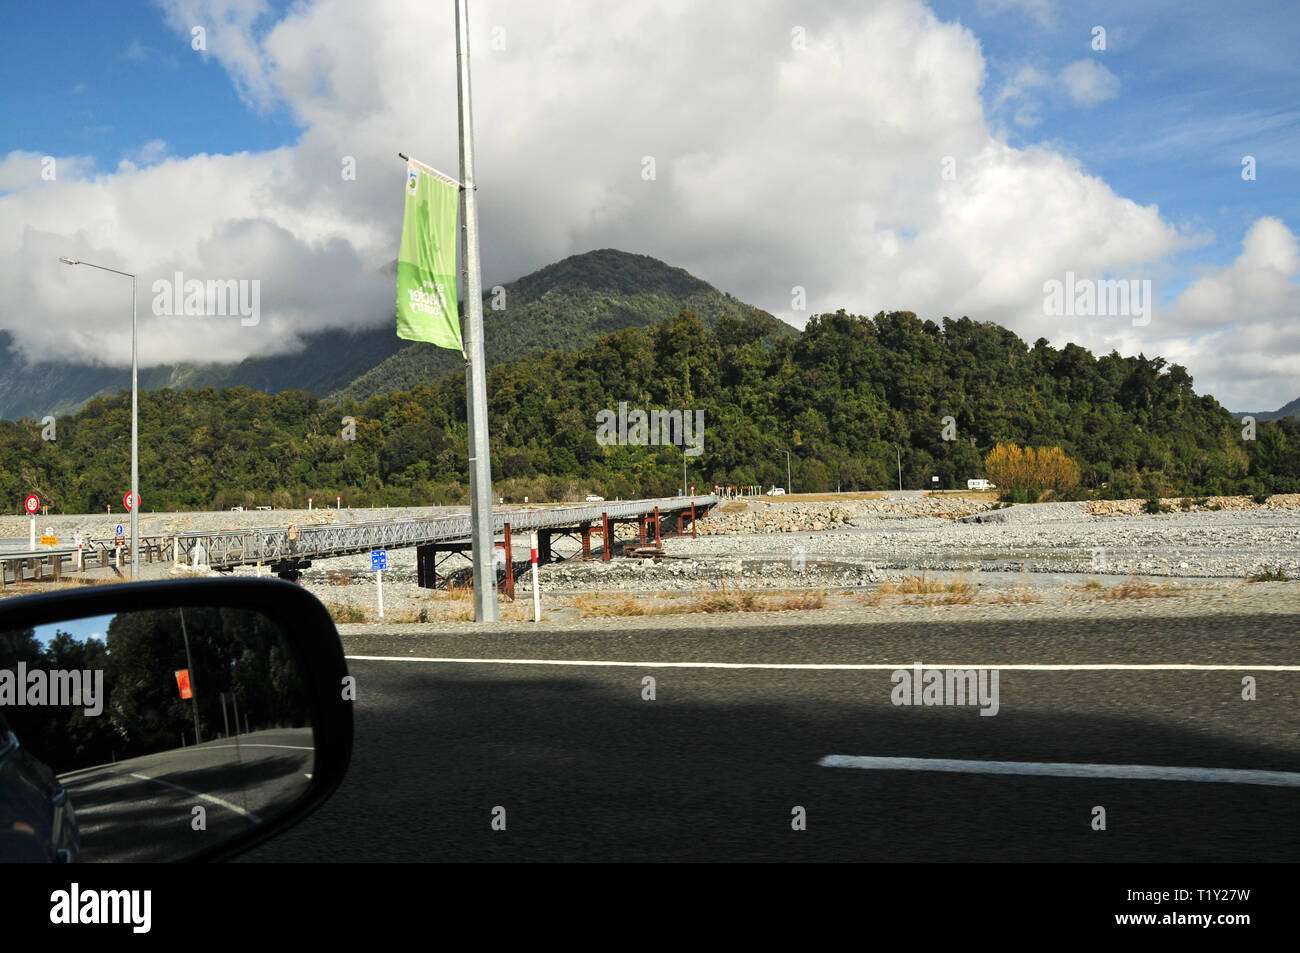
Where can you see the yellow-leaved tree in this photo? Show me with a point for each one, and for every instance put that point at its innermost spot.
(1026, 475)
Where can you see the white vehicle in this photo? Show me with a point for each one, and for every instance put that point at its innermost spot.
(980, 485)
(593, 498)
(776, 491)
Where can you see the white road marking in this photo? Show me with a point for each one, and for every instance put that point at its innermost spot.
(1131, 772)
(204, 797)
(248, 744)
(840, 666)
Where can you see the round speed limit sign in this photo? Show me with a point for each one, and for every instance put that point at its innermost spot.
(32, 503)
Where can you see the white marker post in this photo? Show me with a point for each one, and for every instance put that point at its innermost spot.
(309, 504)
(379, 585)
(537, 589)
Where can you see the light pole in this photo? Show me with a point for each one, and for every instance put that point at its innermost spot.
(787, 471)
(899, 454)
(135, 417)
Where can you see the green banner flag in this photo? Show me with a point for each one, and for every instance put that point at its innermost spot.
(426, 264)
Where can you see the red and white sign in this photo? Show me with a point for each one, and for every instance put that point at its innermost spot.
(183, 683)
(33, 503)
(128, 502)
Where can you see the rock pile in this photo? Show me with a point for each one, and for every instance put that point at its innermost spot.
(1279, 501)
(764, 517)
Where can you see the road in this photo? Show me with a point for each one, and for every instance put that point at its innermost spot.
(142, 809)
(715, 767)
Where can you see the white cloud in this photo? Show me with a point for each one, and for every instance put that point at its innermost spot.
(1088, 82)
(1039, 10)
(775, 168)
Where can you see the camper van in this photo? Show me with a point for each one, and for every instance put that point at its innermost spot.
(980, 485)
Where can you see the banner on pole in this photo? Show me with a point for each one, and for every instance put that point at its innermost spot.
(426, 263)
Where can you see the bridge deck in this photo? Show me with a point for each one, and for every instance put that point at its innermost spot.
(272, 545)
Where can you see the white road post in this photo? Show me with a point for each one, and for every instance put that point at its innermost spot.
(537, 589)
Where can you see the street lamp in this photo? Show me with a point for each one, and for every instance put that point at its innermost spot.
(135, 417)
(787, 471)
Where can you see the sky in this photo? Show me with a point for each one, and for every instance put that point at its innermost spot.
(91, 627)
(947, 158)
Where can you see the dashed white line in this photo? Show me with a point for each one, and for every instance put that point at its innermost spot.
(843, 666)
(1128, 772)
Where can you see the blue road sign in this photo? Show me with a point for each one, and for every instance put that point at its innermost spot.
(118, 529)
(378, 559)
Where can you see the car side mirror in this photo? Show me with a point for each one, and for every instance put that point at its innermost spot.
(162, 721)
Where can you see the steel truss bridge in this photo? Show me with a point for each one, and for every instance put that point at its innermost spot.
(287, 550)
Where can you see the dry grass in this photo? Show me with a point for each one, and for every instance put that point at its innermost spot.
(957, 589)
(990, 495)
(1134, 589)
(724, 600)
(1012, 596)
(1268, 575)
(810, 599)
(590, 605)
(920, 591)
(341, 614)
(336, 578)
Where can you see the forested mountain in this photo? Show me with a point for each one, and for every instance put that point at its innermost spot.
(329, 360)
(564, 305)
(1286, 410)
(841, 397)
(567, 305)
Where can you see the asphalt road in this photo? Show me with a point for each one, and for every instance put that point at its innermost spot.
(714, 768)
(142, 809)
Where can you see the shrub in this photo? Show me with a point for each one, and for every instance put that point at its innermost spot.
(1268, 575)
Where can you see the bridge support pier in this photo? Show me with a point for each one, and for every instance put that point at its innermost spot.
(426, 566)
(510, 562)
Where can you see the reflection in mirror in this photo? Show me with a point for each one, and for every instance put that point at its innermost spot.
(147, 735)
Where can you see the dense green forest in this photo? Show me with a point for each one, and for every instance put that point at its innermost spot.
(843, 397)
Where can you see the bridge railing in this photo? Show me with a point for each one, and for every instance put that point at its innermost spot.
(272, 544)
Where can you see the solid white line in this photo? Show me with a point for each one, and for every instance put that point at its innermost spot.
(205, 797)
(1134, 772)
(247, 744)
(837, 666)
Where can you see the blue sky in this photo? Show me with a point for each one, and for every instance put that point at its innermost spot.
(123, 78)
(91, 627)
(232, 157)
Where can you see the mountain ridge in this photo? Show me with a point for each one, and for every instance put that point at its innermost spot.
(567, 304)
